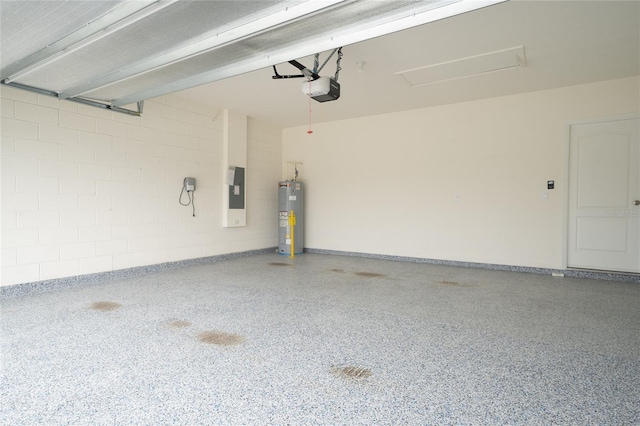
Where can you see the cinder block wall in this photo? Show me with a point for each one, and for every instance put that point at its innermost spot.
(87, 190)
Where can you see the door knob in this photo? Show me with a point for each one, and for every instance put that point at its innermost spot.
(636, 202)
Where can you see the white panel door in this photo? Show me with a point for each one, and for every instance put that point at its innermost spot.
(604, 196)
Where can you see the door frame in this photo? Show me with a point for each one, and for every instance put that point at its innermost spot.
(567, 163)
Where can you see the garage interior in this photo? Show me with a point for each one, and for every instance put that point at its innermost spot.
(471, 212)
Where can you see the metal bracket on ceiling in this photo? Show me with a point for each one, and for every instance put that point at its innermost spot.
(306, 72)
(83, 101)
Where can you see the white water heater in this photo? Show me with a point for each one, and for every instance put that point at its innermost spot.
(290, 204)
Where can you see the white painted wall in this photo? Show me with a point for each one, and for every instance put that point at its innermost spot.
(85, 190)
(386, 184)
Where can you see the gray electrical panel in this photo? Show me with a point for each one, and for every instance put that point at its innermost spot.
(236, 189)
(290, 202)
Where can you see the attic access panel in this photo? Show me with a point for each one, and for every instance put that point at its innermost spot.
(114, 53)
(486, 63)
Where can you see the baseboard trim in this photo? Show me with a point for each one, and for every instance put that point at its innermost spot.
(568, 273)
(100, 277)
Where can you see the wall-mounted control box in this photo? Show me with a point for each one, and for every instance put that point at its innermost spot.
(550, 184)
(190, 184)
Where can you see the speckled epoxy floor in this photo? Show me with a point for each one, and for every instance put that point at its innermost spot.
(323, 339)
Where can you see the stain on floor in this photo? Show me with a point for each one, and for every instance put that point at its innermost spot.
(338, 270)
(352, 372)
(179, 324)
(369, 274)
(279, 264)
(105, 306)
(220, 338)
